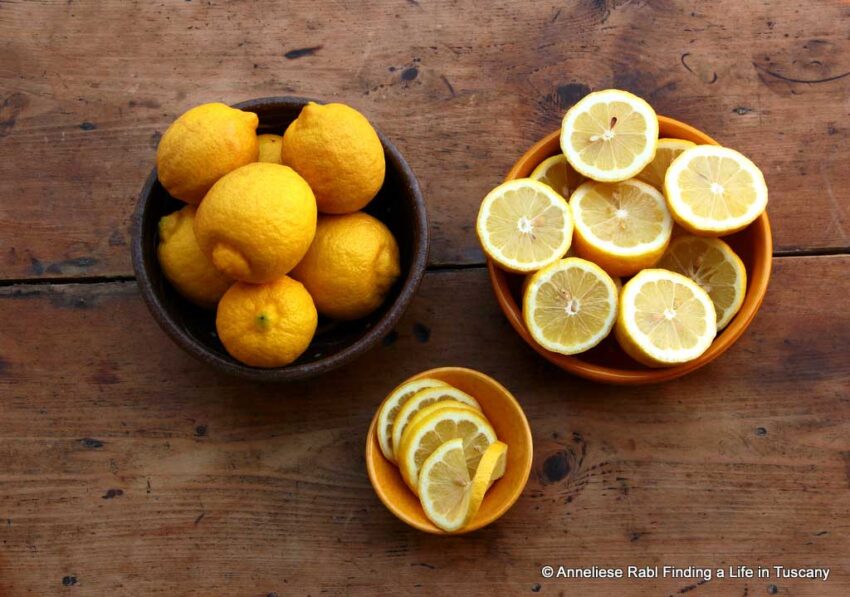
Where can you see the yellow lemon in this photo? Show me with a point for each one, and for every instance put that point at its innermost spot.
(351, 265)
(257, 222)
(184, 265)
(203, 145)
(490, 469)
(338, 152)
(266, 325)
(269, 148)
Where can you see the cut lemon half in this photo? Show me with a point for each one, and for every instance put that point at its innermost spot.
(609, 135)
(558, 174)
(623, 227)
(664, 319)
(491, 468)
(445, 487)
(391, 406)
(714, 191)
(713, 265)
(420, 400)
(524, 225)
(441, 426)
(570, 306)
(666, 151)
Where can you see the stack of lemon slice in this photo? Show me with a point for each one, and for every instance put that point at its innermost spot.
(445, 448)
(609, 203)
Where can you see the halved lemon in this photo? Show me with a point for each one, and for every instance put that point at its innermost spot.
(391, 406)
(491, 468)
(713, 265)
(570, 306)
(420, 400)
(664, 319)
(441, 426)
(558, 174)
(666, 151)
(623, 227)
(609, 135)
(524, 225)
(445, 487)
(714, 191)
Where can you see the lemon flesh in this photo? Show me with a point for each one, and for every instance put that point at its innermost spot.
(524, 225)
(557, 173)
(391, 407)
(713, 265)
(623, 227)
(666, 151)
(664, 319)
(570, 306)
(609, 135)
(714, 191)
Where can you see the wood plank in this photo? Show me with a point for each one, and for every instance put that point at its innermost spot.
(463, 88)
(130, 469)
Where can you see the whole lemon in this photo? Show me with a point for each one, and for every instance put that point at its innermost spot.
(257, 222)
(338, 152)
(203, 145)
(266, 325)
(350, 266)
(269, 148)
(184, 265)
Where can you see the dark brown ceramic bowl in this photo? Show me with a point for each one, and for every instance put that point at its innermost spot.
(399, 205)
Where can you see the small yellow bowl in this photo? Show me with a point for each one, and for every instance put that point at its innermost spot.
(511, 426)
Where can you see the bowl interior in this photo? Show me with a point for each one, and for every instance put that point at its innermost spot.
(607, 362)
(397, 205)
(511, 426)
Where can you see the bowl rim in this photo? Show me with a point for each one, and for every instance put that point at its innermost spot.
(373, 452)
(382, 327)
(757, 279)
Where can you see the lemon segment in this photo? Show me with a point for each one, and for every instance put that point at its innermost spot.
(714, 191)
(570, 306)
(491, 468)
(664, 318)
(441, 426)
(713, 265)
(391, 407)
(420, 400)
(524, 225)
(558, 174)
(609, 135)
(623, 227)
(666, 151)
(445, 489)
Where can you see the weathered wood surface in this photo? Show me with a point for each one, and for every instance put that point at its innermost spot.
(87, 87)
(130, 469)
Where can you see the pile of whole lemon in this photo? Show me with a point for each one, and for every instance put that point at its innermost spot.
(272, 236)
(620, 202)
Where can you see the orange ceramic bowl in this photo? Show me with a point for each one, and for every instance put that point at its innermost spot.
(511, 426)
(607, 362)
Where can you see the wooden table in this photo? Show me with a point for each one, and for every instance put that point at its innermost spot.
(127, 468)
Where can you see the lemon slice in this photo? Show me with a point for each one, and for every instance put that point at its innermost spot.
(558, 174)
(570, 306)
(491, 468)
(623, 227)
(421, 399)
(609, 135)
(445, 488)
(714, 191)
(666, 151)
(524, 225)
(713, 265)
(391, 406)
(426, 411)
(664, 319)
(441, 426)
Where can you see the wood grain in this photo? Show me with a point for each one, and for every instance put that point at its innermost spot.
(130, 469)
(88, 86)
